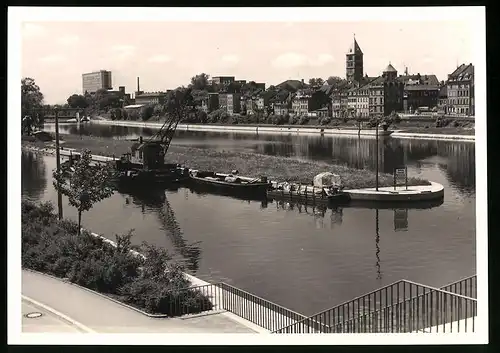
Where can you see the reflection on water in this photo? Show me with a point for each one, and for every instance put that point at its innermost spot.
(457, 158)
(377, 242)
(33, 175)
(157, 202)
(282, 251)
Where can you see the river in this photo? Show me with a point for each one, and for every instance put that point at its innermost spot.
(303, 258)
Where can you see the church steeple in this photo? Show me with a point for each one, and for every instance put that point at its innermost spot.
(354, 62)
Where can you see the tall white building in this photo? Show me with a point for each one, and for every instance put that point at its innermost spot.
(94, 81)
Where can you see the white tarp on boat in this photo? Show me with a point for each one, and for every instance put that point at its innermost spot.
(327, 179)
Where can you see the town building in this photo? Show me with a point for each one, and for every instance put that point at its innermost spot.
(420, 91)
(223, 80)
(291, 85)
(460, 90)
(301, 103)
(94, 81)
(386, 93)
(151, 98)
(230, 102)
(254, 102)
(362, 101)
(210, 102)
(443, 99)
(281, 103)
(354, 62)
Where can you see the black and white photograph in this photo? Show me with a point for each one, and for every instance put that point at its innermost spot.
(247, 175)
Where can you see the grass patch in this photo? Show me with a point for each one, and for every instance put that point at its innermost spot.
(156, 284)
(248, 164)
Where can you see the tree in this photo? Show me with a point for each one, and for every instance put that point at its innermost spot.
(316, 82)
(31, 98)
(180, 103)
(200, 82)
(335, 81)
(84, 184)
(77, 101)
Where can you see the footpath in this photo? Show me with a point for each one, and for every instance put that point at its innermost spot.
(290, 129)
(69, 308)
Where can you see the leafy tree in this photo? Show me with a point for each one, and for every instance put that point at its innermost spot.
(200, 82)
(180, 103)
(335, 81)
(146, 112)
(77, 101)
(83, 183)
(31, 96)
(315, 82)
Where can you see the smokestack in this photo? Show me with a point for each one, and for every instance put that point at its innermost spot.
(138, 90)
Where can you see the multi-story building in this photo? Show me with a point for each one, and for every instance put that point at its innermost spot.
(418, 96)
(230, 102)
(354, 63)
(151, 98)
(460, 89)
(386, 93)
(210, 102)
(352, 100)
(222, 80)
(281, 103)
(301, 103)
(443, 99)
(362, 101)
(94, 81)
(419, 91)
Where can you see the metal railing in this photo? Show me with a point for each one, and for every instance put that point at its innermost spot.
(466, 287)
(403, 306)
(224, 297)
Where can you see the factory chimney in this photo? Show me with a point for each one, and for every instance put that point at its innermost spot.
(138, 90)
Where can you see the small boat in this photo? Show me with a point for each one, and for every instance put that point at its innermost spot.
(229, 183)
(326, 188)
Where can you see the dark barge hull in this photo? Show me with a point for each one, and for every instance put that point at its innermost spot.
(309, 198)
(203, 189)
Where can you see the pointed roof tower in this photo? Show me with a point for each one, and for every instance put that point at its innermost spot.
(390, 68)
(354, 48)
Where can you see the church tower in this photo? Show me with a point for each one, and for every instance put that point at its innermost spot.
(354, 63)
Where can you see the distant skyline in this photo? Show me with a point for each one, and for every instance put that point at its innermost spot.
(166, 55)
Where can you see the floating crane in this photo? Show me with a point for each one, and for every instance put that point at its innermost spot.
(146, 162)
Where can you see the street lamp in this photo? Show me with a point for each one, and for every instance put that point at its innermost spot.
(376, 152)
(58, 164)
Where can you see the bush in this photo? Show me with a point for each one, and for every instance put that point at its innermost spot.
(53, 247)
(303, 120)
(325, 120)
(293, 120)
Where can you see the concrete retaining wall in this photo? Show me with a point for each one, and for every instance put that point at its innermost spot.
(289, 130)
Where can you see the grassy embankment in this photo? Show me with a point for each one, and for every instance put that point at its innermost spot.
(248, 164)
(155, 284)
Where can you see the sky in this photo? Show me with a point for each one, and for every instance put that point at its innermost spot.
(166, 54)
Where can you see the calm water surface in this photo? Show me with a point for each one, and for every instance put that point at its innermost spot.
(303, 258)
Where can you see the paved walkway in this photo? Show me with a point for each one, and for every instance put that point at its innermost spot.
(44, 321)
(101, 315)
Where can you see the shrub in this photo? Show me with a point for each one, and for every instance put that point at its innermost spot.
(293, 120)
(325, 120)
(154, 283)
(303, 120)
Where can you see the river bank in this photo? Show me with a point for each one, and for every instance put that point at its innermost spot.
(248, 164)
(405, 129)
(113, 269)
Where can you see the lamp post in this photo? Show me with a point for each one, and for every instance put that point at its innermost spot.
(58, 164)
(376, 154)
